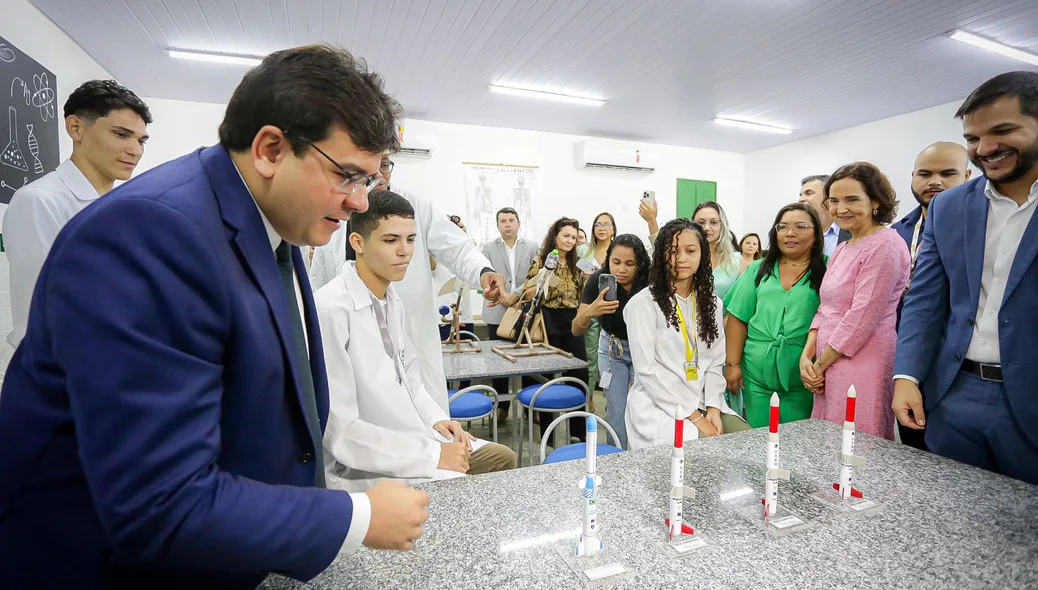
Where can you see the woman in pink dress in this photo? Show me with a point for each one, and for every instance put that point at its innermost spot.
(852, 338)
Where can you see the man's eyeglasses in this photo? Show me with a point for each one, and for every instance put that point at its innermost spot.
(796, 227)
(387, 166)
(352, 181)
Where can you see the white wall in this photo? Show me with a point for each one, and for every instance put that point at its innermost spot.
(563, 189)
(773, 175)
(178, 127)
(181, 127)
(32, 33)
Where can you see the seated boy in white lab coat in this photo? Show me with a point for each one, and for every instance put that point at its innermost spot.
(382, 422)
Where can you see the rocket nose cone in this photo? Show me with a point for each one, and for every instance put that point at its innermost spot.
(679, 413)
(774, 399)
(592, 424)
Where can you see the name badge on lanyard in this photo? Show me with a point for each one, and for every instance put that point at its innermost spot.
(388, 344)
(691, 351)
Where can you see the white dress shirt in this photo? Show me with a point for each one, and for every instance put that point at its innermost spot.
(361, 518)
(1006, 224)
(32, 221)
(510, 252)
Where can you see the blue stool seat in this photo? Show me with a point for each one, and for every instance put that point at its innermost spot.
(555, 397)
(470, 405)
(576, 451)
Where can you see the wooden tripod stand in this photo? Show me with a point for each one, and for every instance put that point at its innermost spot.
(454, 336)
(525, 346)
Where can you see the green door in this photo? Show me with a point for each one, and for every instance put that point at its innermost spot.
(693, 192)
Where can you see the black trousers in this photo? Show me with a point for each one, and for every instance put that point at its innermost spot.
(558, 323)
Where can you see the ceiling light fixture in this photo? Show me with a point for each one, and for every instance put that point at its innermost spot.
(570, 98)
(223, 58)
(995, 47)
(751, 125)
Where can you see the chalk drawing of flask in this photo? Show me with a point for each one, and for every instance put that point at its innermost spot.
(12, 154)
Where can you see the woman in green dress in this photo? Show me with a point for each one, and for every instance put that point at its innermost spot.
(771, 307)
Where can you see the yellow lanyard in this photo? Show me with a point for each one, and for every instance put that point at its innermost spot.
(691, 351)
(915, 240)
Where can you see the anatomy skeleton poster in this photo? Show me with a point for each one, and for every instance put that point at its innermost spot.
(28, 120)
(491, 187)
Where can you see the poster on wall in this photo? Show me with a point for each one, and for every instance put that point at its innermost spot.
(28, 121)
(492, 187)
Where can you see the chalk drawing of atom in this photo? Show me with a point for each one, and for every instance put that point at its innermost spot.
(43, 95)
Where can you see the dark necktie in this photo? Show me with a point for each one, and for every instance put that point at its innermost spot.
(285, 266)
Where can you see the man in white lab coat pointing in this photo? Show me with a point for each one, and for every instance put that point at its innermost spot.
(436, 235)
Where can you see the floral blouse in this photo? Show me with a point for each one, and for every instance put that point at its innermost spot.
(566, 295)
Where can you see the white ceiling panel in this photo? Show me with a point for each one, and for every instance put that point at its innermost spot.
(665, 67)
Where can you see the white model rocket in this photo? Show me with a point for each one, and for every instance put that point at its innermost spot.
(678, 491)
(846, 455)
(590, 543)
(773, 473)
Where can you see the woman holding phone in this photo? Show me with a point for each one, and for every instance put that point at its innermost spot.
(593, 256)
(677, 344)
(606, 293)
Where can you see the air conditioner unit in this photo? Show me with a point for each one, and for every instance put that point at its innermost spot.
(417, 138)
(614, 155)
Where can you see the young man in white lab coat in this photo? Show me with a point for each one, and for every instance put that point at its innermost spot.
(382, 421)
(108, 125)
(452, 248)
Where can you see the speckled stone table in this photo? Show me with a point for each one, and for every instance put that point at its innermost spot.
(487, 364)
(942, 524)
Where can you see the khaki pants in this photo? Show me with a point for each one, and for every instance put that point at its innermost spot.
(492, 457)
(732, 423)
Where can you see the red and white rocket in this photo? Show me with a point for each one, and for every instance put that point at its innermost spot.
(773, 473)
(846, 455)
(678, 491)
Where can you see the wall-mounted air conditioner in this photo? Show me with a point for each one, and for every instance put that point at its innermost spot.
(417, 138)
(614, 155)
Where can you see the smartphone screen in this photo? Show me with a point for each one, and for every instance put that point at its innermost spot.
(607, 281)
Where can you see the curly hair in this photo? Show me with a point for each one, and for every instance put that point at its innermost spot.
(641, 259)
(661, 283)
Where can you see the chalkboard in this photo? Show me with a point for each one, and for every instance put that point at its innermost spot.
(29, 120)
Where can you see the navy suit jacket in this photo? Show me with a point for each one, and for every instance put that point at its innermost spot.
(941, 306)
(152, 433)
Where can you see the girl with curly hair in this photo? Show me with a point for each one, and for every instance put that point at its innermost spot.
(628, 261)
(677, 345)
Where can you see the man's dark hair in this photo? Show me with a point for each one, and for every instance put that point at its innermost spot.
(823, 178)
(96, 98)
(382, 204)
(1023, 85)
(308, 92)
(505, 211)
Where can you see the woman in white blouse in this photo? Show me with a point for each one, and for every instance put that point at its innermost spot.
(677, 344)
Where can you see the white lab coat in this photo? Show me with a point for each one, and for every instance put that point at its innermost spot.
(32, 221)
(452, 248)
(658, 356)
(377, 427)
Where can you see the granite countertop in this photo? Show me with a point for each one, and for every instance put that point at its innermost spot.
(942, 524)
(488, 364)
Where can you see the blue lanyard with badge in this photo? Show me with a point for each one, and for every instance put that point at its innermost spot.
(691, 350)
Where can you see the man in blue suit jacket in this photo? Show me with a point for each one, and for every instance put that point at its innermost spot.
(161, 422)
(967, 329)
(939, 167)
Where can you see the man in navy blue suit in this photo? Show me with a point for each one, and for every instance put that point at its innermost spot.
(939, 167)
(967, 330)
(161, 422)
